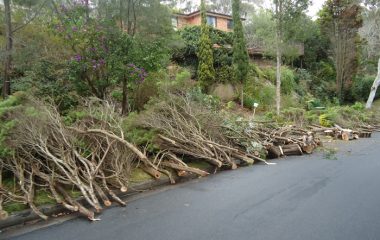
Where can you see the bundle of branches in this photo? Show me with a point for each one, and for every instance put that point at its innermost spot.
(92, 156)
(188, 129)
(346, 134)
(272, 139)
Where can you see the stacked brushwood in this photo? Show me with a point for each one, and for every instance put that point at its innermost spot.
(277, 140)
(92, 156)
(346, 134)
(187, 129)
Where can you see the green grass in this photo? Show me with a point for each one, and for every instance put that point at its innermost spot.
(138, 175)
(42, 197)
(199, 164)
(14, 207)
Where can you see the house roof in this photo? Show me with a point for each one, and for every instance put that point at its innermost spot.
(198, 12)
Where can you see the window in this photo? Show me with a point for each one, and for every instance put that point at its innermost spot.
(230, 24)
(175, 23)
(211, 21)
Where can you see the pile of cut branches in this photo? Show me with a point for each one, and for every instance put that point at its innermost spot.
(190, 130)
(92, 156)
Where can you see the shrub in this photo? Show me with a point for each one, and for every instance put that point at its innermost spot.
(270, 74)
(361, 87)
(224, 74)
(231, 105)
(256, 71)
(288, 83)
(249, 101)
(327, 120)
(294, 115)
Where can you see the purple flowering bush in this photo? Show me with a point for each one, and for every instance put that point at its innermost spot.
(105, 58)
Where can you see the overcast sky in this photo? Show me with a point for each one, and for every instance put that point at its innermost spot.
(314, 9)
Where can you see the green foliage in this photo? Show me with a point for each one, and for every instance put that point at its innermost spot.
(361, 87)
(224, 74)
(270, 74)
(346, 116)
(211, 102)
(73, 116)
(49, 80)
(138, 136)
(190, 35)
(358, 106)
(259, 88)
(291, 101)
(342, 28)
(288, 84)
(327, 119)
(231, 105)
(312, 117)
(42, 197)
(178, 79)
(6, 124)
(256, 71)
(206, 71)
(249, 101)
(294, 115)
(313, 103)
(240, 54)
(138, 175)
(13, 207)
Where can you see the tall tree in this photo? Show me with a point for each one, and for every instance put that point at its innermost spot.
(8, 49)
(279, 31)
(341, 20)
(240, 54)
(371, 33)
(285, 11)
(206, 71)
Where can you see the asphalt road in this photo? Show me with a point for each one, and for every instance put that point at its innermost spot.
(308, 197)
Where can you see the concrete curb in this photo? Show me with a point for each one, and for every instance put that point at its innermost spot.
(23, 217)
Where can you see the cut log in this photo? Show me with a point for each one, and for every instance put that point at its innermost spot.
(151, 171)
(346, 134)
(275, 152)
(364, 134)
(3, 215)
(309, 149)
(292, 149)
(181, 173)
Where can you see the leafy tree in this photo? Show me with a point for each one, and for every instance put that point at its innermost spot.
(370, 31)
(341, 20)
(206, 71)
(186, 53)
(285, 12)
(106, 58)
(240, 54)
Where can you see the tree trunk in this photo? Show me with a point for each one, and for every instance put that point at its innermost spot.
(242, 96)
(278, 55)
(87, 5)
(121, 8)
(8, 49)
(124, 103)
(374, 87)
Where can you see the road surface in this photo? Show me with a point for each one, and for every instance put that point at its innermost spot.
(305, 198)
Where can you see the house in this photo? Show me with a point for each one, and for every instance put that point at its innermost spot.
(217, 20)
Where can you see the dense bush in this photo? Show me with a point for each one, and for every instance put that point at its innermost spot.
(361, 87)
(224, 74)
(288, 84)
(187, 55)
